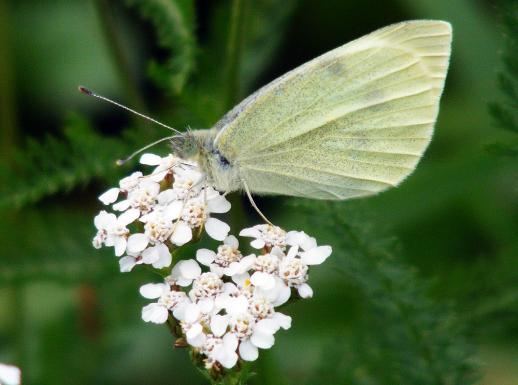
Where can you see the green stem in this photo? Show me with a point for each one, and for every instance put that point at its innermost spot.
(234, 48)
(8, 126)
(105, 12)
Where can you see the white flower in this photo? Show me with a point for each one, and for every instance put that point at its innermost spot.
(112, 230)
(159, 226)
(164, 165)
(185, 271)
(168, 300)
(266, 236)
(266, 268)
(263, 336)
(130, 182)
(311, 254)
(109, 196)
(191, 317)
(228, 260)
(196, 213)
(158, 256)
(125, 185)
(187, 182)
(278, 295)
(207, 285)
(228, 312)
(222, 350)
(10, 375)
(225, 353)
(142, 197)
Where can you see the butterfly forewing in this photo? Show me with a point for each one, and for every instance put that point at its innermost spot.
(349, 123)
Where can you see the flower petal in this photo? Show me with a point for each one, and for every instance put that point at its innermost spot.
(109, 196)
(316, 255)
(305, 291)
(155, 313)
(150, 255)
(128, 217)
(237, 305)
(164, 257)
(263, 280)
(218, 324)
(267, 326)
(104, 220)
(127, 264)
(152, 290)
(137, 243)
(150, 159)
(248, 351)
(250, 232)
(217, 229)
(195, 336)
(194, 331)
(283, 320)
(206, 305)
(205, 256)
(192, 313)
(257, 244)
(122, 205)
(241, 279)
(182, 234)
(231, 241)
(174, 210)
(218, 204)
(262, 340)
(189, 269)
(230, 342)
(120, 246)
(227, 359)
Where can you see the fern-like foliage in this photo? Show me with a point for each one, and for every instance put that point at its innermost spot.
(505, 112)
(58, 164)
(402, 337)
(174, 22)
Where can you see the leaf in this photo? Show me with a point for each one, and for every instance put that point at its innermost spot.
(504, 113)
(58, 165)
(402, 336)
(174, 22)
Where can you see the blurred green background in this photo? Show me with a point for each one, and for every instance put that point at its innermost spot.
(423, 285)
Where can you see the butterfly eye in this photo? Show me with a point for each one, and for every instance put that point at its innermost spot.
(221, 159)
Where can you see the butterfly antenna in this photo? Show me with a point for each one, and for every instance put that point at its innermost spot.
(120, 162)
(89, 92)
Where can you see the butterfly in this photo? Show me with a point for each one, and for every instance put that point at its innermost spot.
(350, 123)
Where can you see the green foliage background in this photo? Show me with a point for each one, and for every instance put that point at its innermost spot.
(422, 286)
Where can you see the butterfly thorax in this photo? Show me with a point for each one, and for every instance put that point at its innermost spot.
(198, 145)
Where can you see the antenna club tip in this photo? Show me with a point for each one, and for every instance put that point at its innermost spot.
(85, 90)
(120, 162)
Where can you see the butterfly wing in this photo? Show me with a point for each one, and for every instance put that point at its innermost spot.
(350, 123)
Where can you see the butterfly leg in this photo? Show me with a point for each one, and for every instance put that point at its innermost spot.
(252, 202)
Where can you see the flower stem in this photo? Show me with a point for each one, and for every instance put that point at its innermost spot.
(234, 48)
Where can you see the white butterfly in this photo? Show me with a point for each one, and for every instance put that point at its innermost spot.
(349, 123)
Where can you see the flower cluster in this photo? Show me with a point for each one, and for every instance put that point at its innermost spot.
(222, 303)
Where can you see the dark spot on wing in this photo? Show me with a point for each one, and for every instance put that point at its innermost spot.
(337, 69)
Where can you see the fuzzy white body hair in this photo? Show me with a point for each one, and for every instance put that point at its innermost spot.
(220, 172)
